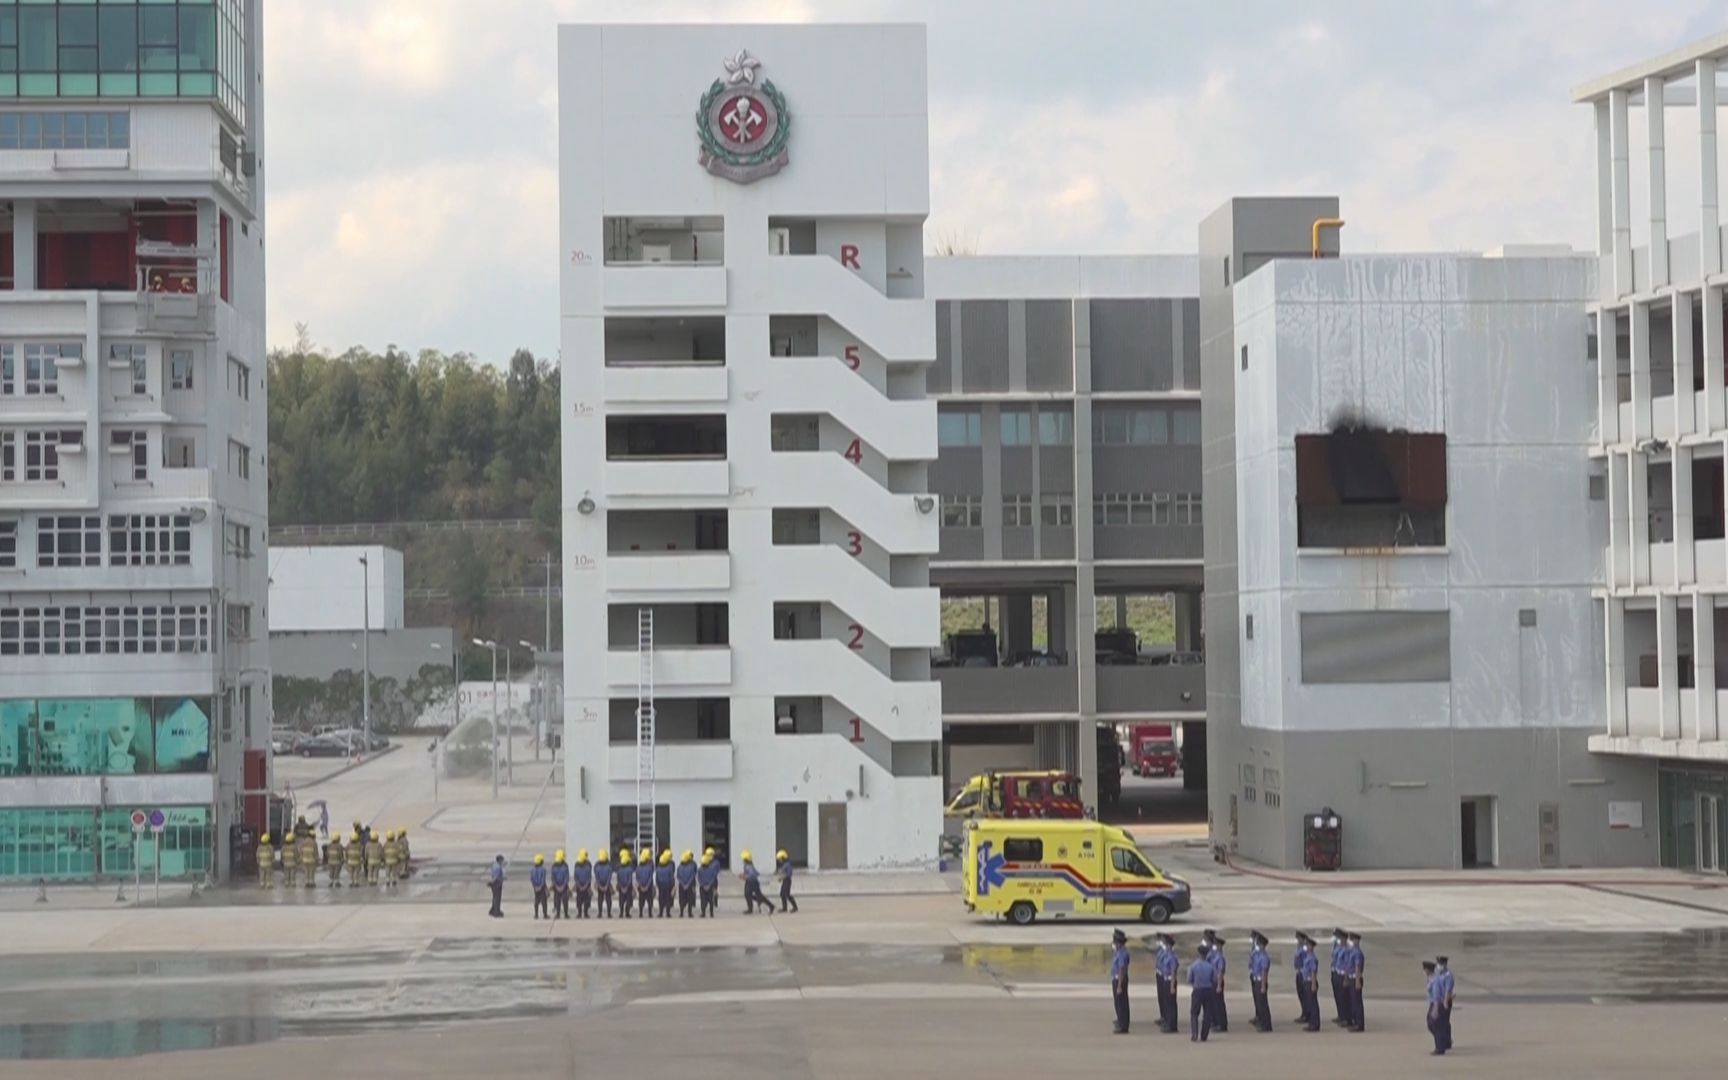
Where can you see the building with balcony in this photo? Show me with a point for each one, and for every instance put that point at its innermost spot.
(747, 438)
(1068, 469)
(1401, 553)
(1659, 308)
(133, 653)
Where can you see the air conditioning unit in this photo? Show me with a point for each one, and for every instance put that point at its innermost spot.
(779, 241)
(656, 253)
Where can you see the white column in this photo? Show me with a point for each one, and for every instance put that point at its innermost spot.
(1680, 496)
(1619, 522)
(1703, 665)
(1608, 375)
(1638, 509)
(1604, 184)
(1685, 401)
(1710, 217)
(1713, 363)
(1621, 137)
(1654, 87)
(1640, 315)
(1614, 648)
(23, 245)
(1668, 664)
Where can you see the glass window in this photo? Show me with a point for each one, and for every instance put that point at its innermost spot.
(17, 738)
(1056, 508)
(1128, 861)
(1110, 427)
(8, 544)
(1016, 427)
(962, 511)
(180, 369)
(1151, 427)
(197, 38)
(1015, 849)
(959, 429)
(44, 843)
(1055, 428)
(38, 39)
(93, 737)
(1017, 511)
(119, 39)
(182, 735)
(185, 842)
(1186, 427)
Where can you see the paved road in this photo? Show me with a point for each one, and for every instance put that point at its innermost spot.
(1157, 801)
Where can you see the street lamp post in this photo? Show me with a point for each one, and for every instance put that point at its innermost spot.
(540, 684)
(493, 645)
(365, 658)
(509, 731)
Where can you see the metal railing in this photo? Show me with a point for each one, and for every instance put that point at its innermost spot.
(387, 528)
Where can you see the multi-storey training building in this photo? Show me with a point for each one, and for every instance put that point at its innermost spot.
(1068, 390)
(1659, 311)
(748, 520)
(133, 655)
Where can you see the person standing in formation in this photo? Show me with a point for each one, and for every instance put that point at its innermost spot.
(582, 875)
(539, 881)
(626, 884)
(560, 886)
(1447, 986)
(603, 885)
(495, 880)
(687, 885)
(1202, 986)
(1168, 964)
(1119, 981)
(663, 877)
(1259, 973)
(645, 883)
(708, 881)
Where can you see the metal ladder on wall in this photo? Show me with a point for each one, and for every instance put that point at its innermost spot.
(645, 837)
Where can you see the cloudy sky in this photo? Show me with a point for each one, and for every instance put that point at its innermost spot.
(413, 161)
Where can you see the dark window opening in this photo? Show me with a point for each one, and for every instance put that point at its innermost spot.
(1018, 850)
(1360, 486)
(665, 437)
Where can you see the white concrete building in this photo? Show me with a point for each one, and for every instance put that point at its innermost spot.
(133, 653)
(747, 439)
(1661, 434)
(341, 587)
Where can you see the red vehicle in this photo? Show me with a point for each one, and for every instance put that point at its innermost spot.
(1047, 794)
(1154, 749)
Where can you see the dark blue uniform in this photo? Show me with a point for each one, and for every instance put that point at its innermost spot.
(560, 890)
(1307, 987)
(537, 881)
(1220, 1008)
(603, 888)
(1202, 987)
(644, 888)
(1259, 973)
(663, 877)
(1447, 986)
(1168, 966)
(686, 889)
(708, 882)
(753, 897)
(1341, 1010)
(582, 877)
(1355, 960)
(784, 870)
(1436, 1002)
(1119, 986)
(626, 890)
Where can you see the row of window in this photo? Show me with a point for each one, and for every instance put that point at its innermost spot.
(1112, 425)
(1057, 509)
(33, 455)
(74, 540)
(65, 130)
(104, 736)
(91, 630)
(32, 369)
(964, 428)
(72, 843)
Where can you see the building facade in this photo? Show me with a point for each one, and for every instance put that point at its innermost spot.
(336, 587)
(1409, 653)
(748, 520)
(133, 512)
(1068, 396)
(1661, 429)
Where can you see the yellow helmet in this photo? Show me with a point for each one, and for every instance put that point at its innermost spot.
(745, 854)
(780, 856)
(708, 852)
(558, 856)
(645, 855)
(623, 856)
(666, 857)
(582, 854)
(265, 839)
(389, 834)
(401, 834)
(603, 856)
(354, 837)
(539, 859)
(687, 856)
(707, 856)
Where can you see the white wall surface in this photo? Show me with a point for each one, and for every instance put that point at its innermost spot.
(323, 588)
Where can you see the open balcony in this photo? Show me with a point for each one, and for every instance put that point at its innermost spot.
(664, 361)
(668, 264)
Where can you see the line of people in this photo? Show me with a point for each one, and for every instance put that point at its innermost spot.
(642, 886)
(1207, 980)
(368, 857)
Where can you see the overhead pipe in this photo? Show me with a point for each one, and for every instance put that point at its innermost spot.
(1324, 223)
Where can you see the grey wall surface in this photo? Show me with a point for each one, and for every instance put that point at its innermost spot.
(319, 654)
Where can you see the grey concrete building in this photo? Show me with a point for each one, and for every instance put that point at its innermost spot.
(1068, 468)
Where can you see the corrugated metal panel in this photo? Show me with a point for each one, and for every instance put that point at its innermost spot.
(1049, 345)
(941, 380)
(984, 344)
(1376, 646)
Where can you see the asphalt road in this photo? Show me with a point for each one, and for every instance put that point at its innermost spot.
(1157, 801)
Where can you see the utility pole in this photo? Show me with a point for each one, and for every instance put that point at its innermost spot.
(493, 645)
(545, 684)
(365, 657)
(509, 729)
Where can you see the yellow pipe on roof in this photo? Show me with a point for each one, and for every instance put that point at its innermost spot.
(1324, 223)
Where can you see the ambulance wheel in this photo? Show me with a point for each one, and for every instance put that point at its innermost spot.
(1155, 911)
(1021, 913)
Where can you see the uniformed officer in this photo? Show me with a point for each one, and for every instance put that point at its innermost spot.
(392, 859)
(783, 870)
(495, 882)
(644, 883)
(708, 882)
(353, 857)
(582, 876)
(539, 880)
(1308, 983)
(1215, 951)
(1202, 985)
(603, 884)
(333, 860)
(1353, 983)
(664, 875)
(1340, 1007)
(1447, 985)
(560, 886)
(290, 862)
(687, 885)
(753, 897)
(374, 859)
(266, 861)
(1259, 973)
(1119, 981)
(402, 850)
(1168, 964)
(1436, 996)
(626, 886)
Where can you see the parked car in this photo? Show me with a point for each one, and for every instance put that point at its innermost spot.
(284, 740)
(323, 746)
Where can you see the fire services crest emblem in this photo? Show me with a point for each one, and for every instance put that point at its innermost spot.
(743, 123)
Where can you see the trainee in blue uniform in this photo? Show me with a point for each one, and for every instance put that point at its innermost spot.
(1307, 982)
(1202, 985)
(1259, 972)
(1168, 965)
(1119, 981)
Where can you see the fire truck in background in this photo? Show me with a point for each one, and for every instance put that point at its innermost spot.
(1153, 747)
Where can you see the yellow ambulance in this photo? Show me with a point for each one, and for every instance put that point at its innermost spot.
(1062, 869)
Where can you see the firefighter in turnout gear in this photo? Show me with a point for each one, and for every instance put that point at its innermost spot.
(308, 845)
(708, 880)
(583, 873)
(663, 876)
(352, 858)
(333, 860)
(290, 863)
(687, 885)
(402, 848)
(644, 883)
(374, 859)
(626, 885)
(603, 885)
(392, 859)
(266, 861)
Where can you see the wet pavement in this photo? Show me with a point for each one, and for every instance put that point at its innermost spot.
(121, 1005)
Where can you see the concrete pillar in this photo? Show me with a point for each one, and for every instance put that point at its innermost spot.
(1714, 413)
(1188, 621)
(23, 245)
(1638, 507)
(1703, 666)
(1614, 649)
(1016, 628)
(1710, 214)
(1620, 137)
(1640, 315)
(1060, 635)
(1619, 522)
(1604, 187)
(1680, 495)
(1085, 666)
(1608, 375)
(1668, 663)
(1685, 402)
(1654, 109)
